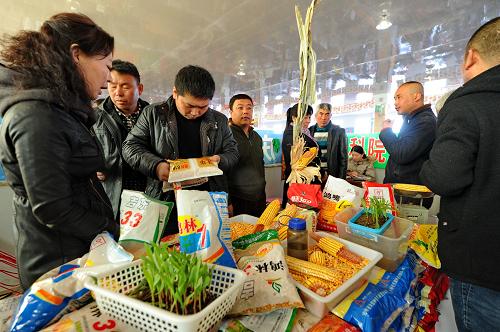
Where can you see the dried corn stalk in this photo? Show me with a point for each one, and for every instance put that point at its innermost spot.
(307, 63)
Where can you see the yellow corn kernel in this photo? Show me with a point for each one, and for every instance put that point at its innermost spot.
(318, 257)
(307, 157)
(269, 213)
(310, 269)
(330, 245)
(239, 229)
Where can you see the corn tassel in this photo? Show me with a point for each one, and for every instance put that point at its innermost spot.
(269, 213)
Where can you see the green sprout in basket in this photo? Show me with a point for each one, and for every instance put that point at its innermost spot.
(176, 281)
(378, 209)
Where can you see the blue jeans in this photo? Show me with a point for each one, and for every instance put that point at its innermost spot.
(476, 308)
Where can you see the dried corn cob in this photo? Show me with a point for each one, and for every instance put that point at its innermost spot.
(318, 257)
(300, 277)
(311, 269)
(319, 286)
(307, 157)
(269, 213)
(285, 215)
(349, 256)
(411, 187)
(283, 233)
(330, 245)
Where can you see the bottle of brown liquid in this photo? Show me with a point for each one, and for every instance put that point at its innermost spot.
(297, 239)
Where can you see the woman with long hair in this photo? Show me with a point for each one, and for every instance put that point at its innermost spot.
(48, 79)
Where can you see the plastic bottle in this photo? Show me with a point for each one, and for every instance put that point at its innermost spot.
(297, 239)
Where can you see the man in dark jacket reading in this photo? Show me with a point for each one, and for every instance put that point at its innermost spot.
(182, 127)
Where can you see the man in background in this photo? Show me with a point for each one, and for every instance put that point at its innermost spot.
(410, 148)
(332, 142)
(464, 170)
(247, 183)
(116, 116)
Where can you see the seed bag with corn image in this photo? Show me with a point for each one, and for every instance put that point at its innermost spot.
(268, 285)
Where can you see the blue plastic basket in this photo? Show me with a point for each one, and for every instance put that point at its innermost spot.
(360, 229)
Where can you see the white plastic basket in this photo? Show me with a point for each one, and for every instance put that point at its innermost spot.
(321, 305)
(111, 287)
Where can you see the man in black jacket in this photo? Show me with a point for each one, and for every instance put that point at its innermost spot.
(464, 169)
(182, 127)
(332, 142)
(410, 148)
(115, 118)
(247, 183)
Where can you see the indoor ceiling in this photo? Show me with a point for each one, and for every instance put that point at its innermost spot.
(259, 38)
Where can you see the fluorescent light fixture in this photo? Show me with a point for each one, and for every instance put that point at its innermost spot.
(384, 21)
(278, 97)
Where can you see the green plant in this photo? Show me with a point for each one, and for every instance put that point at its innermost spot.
(377, 209)
(176, 281)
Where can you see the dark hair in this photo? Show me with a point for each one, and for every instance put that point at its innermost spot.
(238, 97)
(195, 81)
(486, 40)
(294, 110)
(359, 150)
(125, 67)
(418, 86)
(43, 58)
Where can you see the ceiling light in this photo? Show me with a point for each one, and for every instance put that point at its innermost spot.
(384, 21)
(241, 70)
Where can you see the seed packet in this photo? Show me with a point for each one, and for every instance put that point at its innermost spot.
(268, 286)
(192, 168)
(142, 220)
(61, 290)
(338, 194)
(379, 190)
(204, 226)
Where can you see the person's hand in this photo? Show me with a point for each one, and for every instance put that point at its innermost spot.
(387, 124)
(101, 176)
(163, 171)
(214, 159)
(230, 210)
(354, 173)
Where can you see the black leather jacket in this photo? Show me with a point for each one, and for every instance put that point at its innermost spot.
(50, 158)
(111, 137)
(154, 138)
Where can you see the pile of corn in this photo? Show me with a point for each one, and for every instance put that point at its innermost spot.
(271, 218)
(330, 265)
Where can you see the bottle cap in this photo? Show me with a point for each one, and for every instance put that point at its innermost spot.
(297, 224)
